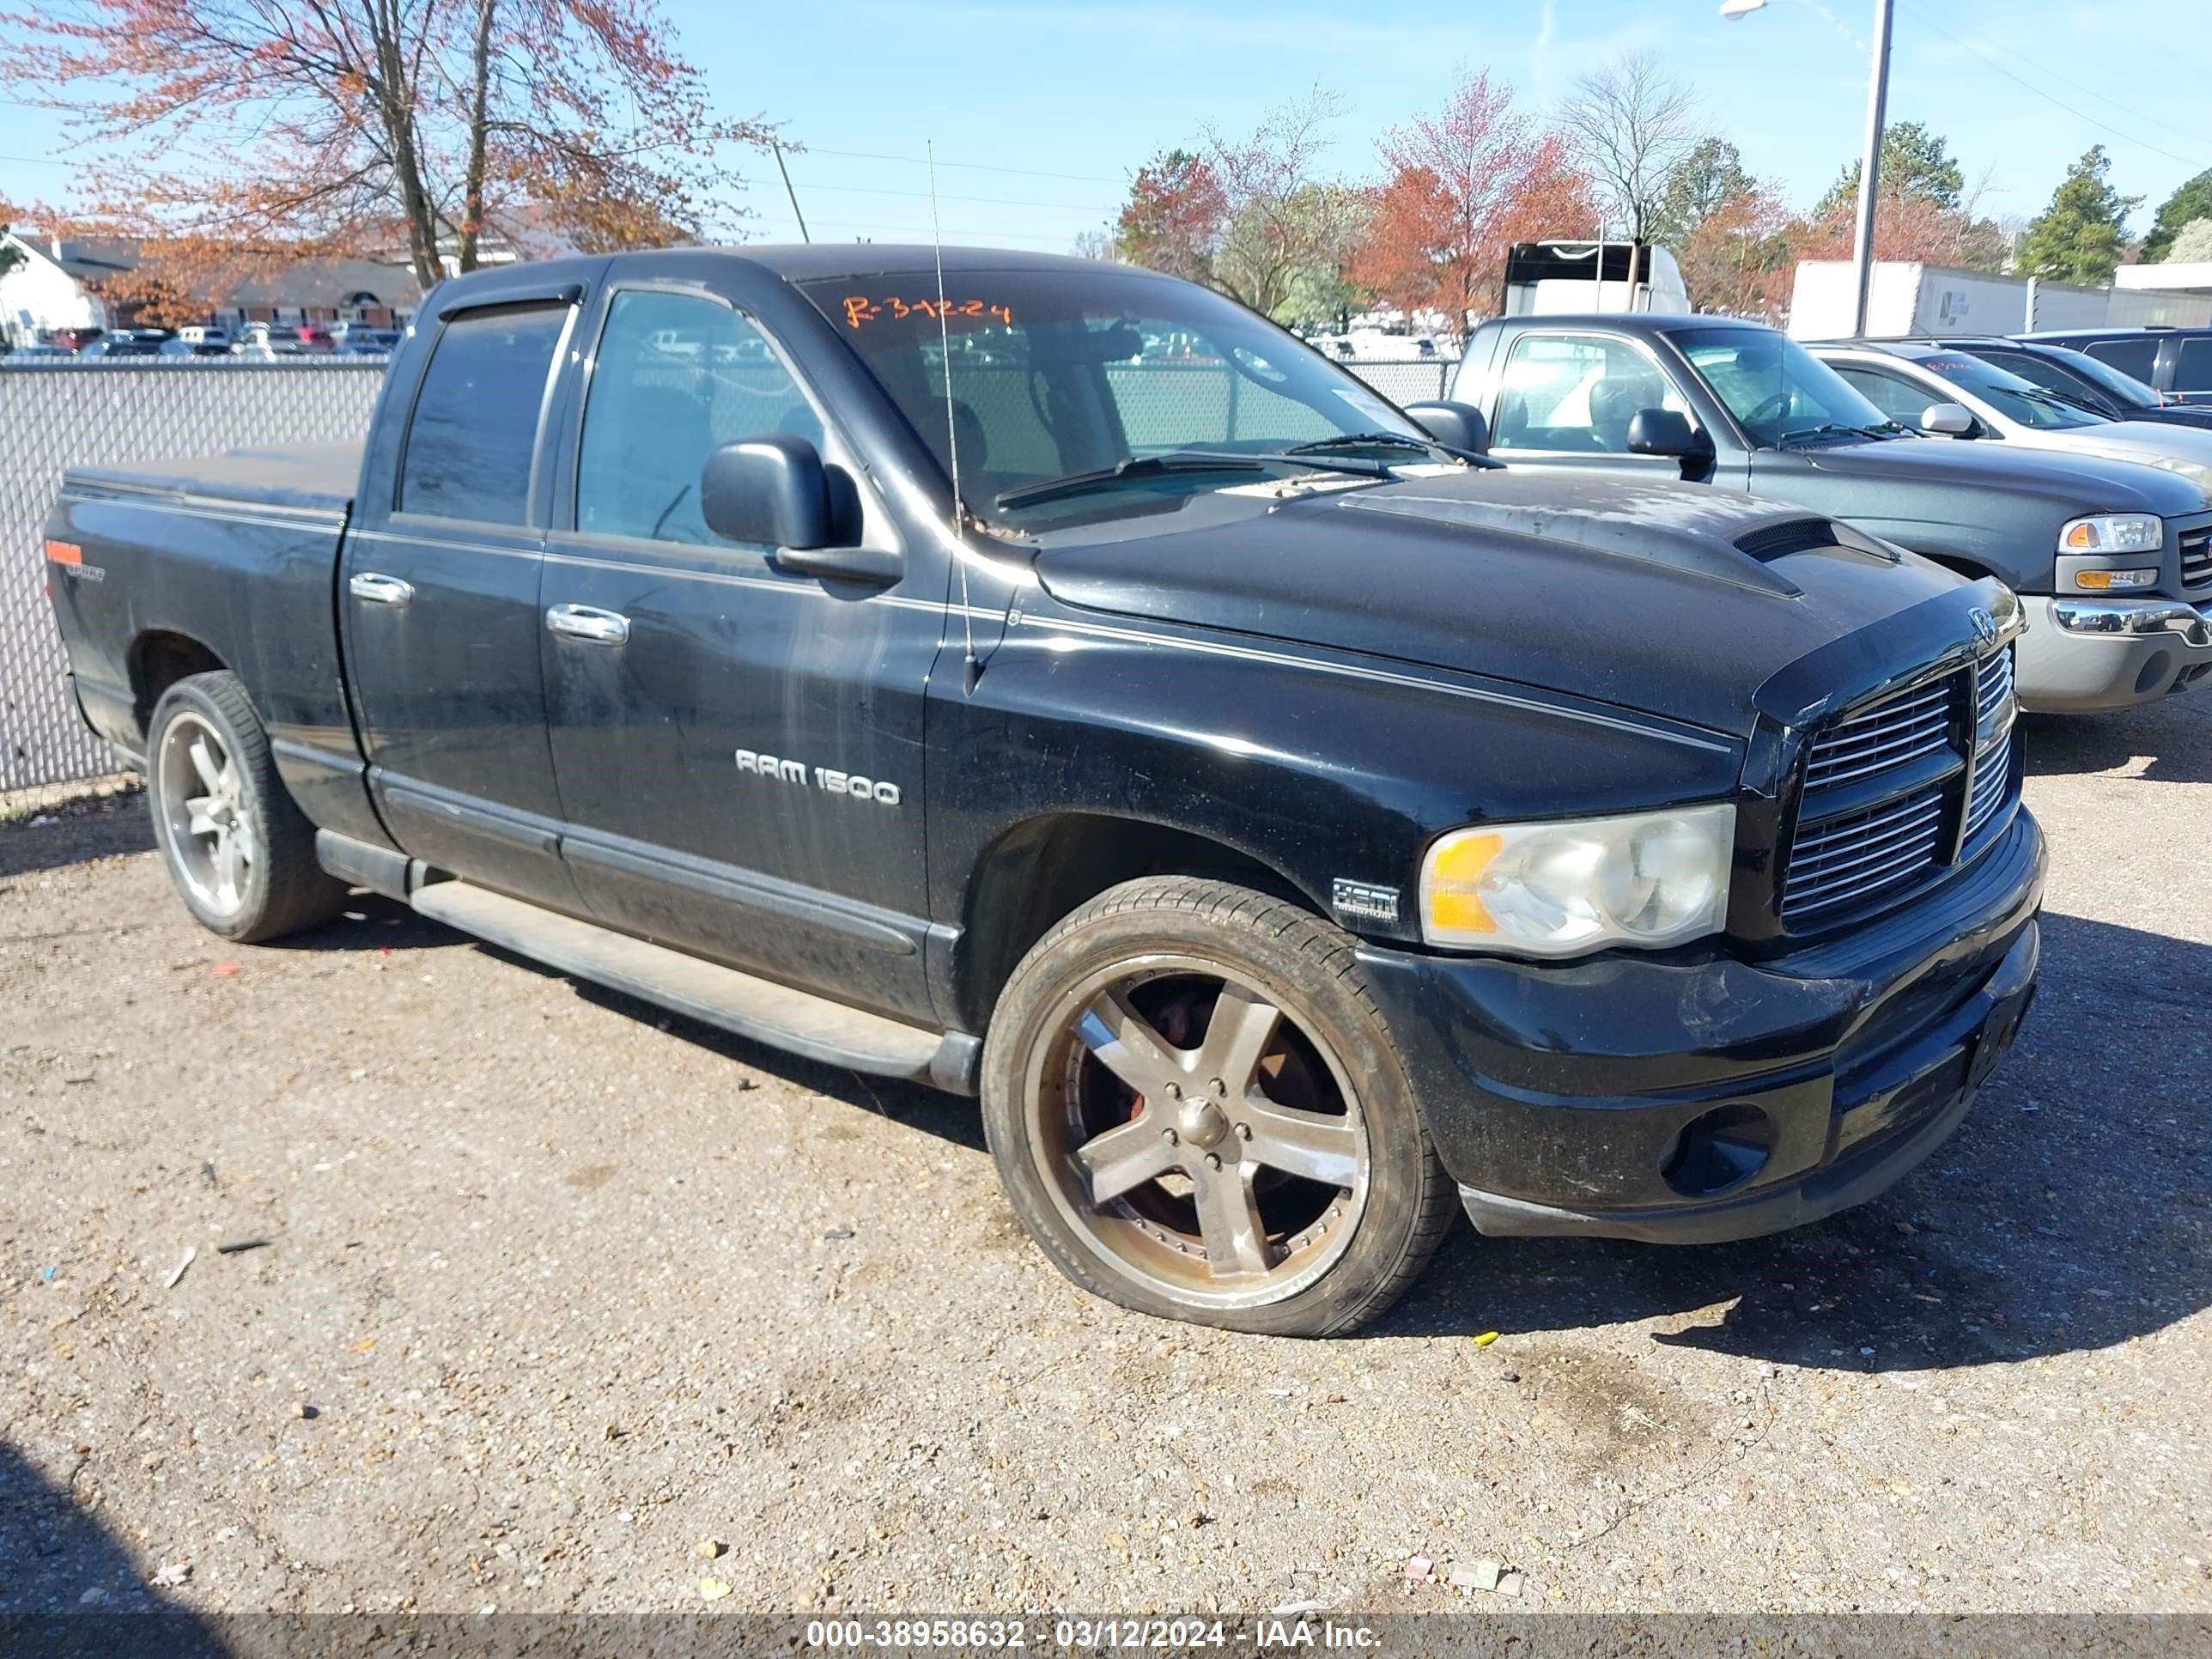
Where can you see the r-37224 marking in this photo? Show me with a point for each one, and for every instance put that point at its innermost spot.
(822, 777)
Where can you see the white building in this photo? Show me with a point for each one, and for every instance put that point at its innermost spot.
(49, 287)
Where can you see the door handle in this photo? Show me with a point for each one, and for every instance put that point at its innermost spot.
(380, 590)
(588, 623)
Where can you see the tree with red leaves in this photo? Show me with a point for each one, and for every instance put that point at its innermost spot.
(1462, 187)
(252, 133)
(1175, 216)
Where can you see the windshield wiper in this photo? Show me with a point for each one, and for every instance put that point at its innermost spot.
(1137, 467)
(1390, 440)
(1187, 460)
(1826, 429)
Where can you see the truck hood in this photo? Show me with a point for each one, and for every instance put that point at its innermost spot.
(1959, 482)
(1677, 601)
(2183, 450)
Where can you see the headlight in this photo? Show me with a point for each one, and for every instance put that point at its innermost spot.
(2113, 532)
(1560, 889)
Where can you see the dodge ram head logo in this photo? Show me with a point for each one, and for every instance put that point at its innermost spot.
(1983, 624)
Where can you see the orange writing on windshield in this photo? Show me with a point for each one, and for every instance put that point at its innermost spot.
(860, 310)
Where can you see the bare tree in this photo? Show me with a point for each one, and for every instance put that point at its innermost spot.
(1282, 224)
(1630, 125)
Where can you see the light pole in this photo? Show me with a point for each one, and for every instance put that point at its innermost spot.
(1869, 165)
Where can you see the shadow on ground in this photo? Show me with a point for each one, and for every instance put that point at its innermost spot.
(76, 833)
(2171, 740)
(70, 1591)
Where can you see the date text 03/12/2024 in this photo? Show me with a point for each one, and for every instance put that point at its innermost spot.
(1271, 1634)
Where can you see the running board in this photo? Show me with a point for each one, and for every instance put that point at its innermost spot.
(759, 1009)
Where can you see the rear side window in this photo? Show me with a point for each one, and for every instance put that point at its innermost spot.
(475, 427)
(2195, 373)
(2138, 357)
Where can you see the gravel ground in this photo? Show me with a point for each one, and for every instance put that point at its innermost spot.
(552, 1288)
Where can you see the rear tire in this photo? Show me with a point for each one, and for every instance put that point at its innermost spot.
(1198, 1112)
(241, 852)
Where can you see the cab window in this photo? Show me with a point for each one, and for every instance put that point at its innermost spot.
(2138, 356)
(1576, 394)
(675, 377)
(474, 429)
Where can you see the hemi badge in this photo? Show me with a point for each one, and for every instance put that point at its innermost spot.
(64, 552)
(1360, 901)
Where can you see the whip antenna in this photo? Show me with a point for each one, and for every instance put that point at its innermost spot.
(952, 425)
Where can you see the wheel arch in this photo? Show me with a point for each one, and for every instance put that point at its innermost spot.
(158, 659)
(1047, 867)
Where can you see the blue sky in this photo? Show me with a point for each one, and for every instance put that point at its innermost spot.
(1040, 112)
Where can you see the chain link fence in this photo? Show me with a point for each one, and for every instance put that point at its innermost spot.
(54, 414)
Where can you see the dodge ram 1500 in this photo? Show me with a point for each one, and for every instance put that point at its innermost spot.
(1050, 681)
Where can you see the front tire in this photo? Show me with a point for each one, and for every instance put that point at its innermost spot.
(241, 852)
(1197, 1111)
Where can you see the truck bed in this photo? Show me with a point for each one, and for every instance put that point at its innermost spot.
(314, 478)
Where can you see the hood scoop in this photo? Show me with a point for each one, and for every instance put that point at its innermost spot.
(1720, 538)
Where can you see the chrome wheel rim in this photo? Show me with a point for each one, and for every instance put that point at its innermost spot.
(209, 832)
(1197, 1135)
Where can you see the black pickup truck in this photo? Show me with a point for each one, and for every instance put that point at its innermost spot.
(1055, 683)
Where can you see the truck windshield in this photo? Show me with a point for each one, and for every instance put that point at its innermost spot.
(2010, 396)
(1062, 377)
(1778, 392)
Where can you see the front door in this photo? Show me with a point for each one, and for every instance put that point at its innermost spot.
(440, 606)
(1565, 401)
(738, 747)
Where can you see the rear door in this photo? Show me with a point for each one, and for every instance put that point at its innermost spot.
(738, 747)
(439, 601)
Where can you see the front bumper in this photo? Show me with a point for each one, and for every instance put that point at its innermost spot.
(2083, 655)
(1574, 1099)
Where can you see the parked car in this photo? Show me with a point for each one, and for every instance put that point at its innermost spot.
(127, 342)
(181, 346)
(370, 342)
(207, 336)
(2081, 379)
(1910, 382)
(2174, 362)
(1742, 405)
(73, 340)
(1288, 827)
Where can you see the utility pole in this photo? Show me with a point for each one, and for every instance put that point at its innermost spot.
(789, 192)
(1870, 171)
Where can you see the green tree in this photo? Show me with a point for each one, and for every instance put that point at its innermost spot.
(2192, 201)
(1916, 166)
(1709, 177)
(2079, 237)
(2195, 242)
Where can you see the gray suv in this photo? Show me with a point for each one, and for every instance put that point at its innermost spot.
(1742, 406)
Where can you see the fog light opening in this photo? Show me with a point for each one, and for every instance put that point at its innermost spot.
(1720, 1150)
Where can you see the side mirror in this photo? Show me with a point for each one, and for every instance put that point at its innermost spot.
(1455, 426)
(1950, 420)
(775, 490)
(1667, 432)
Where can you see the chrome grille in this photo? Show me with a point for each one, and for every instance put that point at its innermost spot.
(2196, 558)
(1894, 732)
(1860, 855)
(1992, 772)
(1992, 686)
